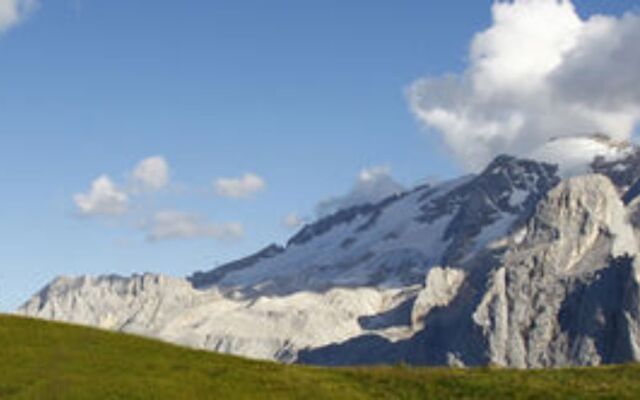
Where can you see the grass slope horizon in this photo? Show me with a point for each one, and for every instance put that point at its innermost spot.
(48, 360)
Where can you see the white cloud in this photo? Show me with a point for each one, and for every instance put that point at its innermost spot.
(540, 71)
(104, 198)
(574, 155)
(13, 12)
(166, 225)
(373, 184)
(242, 187)
(292, 221)
(151, 174)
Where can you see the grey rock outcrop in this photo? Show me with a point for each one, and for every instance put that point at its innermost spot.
(441, 286)
(548, 302)
(562, 290)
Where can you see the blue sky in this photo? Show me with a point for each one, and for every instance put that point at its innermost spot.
(303, 94)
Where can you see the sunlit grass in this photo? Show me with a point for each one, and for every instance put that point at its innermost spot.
(43, 360)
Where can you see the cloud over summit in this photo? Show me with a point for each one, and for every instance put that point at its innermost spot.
(373, 185)
(539, 71)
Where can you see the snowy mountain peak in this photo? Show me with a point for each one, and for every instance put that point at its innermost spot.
(514, 266)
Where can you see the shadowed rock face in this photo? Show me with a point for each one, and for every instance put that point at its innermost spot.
(511, 267)
(508, 187)
(563, 292)
(578, 235)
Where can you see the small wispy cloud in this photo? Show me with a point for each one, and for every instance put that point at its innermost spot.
(169, 225)
(240, 188)
(292, 221)
(12, 12)
(104, 198)
(151, 174)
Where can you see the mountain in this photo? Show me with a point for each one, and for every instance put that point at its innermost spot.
(527, 264)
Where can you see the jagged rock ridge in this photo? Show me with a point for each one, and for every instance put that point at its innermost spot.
(517, 266)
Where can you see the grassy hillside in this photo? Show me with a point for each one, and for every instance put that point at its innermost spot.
(41, 360)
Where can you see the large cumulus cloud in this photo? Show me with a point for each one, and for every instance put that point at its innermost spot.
(539, 71)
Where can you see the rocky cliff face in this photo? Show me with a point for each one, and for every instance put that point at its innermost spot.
(561, 295)
(514, 266)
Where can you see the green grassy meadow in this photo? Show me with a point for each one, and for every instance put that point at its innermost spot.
(44, 360)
